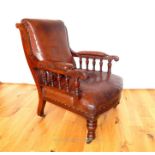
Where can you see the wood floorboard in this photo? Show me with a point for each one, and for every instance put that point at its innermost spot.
(129, 127)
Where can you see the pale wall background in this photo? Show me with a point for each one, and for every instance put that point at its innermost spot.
(121, 27)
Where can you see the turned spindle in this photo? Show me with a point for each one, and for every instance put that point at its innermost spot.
(59, 82)
(101, 64)
(87, 63)
(44, 77)
(51, 77)
(77, 86)
(80, 62)
(94, 63)
(67, 83)
(47, 78)
(109, 67)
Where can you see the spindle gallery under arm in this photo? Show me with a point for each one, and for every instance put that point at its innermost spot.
(86, 92)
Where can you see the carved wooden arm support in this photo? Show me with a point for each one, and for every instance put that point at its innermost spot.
(95, 55)
(48, 69)
(61, 68)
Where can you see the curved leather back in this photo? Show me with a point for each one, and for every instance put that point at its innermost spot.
(49, 40)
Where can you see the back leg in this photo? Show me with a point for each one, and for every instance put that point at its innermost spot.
(41, 107)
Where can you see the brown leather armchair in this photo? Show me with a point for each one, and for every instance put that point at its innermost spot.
(82, 90)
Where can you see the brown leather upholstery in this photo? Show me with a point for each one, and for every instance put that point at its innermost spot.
(50, 40)
(97, 93)
(84, 91)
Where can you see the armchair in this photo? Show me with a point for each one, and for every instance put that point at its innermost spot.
(87, 92)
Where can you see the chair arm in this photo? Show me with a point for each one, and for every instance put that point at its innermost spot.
(77, 75)
(61, 68)
(53, 65)
(64, 66)
(95, 54)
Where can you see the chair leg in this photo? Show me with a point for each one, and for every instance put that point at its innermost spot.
(91, 126)
(41, 107)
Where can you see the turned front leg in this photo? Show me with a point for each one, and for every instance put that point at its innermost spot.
(91, 126)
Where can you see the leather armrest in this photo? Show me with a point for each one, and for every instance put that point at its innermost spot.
(95, 54)
(92, 53)
(61, 68)
(54, 65)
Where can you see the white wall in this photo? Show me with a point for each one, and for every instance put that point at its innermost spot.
(121, 27)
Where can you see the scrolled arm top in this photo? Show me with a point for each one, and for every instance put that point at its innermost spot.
(113, 57)
(95, 54)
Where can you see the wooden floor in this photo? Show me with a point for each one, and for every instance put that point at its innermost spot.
(129, 127)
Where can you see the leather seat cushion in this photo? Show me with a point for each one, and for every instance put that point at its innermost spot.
(97, 94)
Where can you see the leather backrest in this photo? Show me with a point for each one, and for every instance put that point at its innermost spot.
(48, 39)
